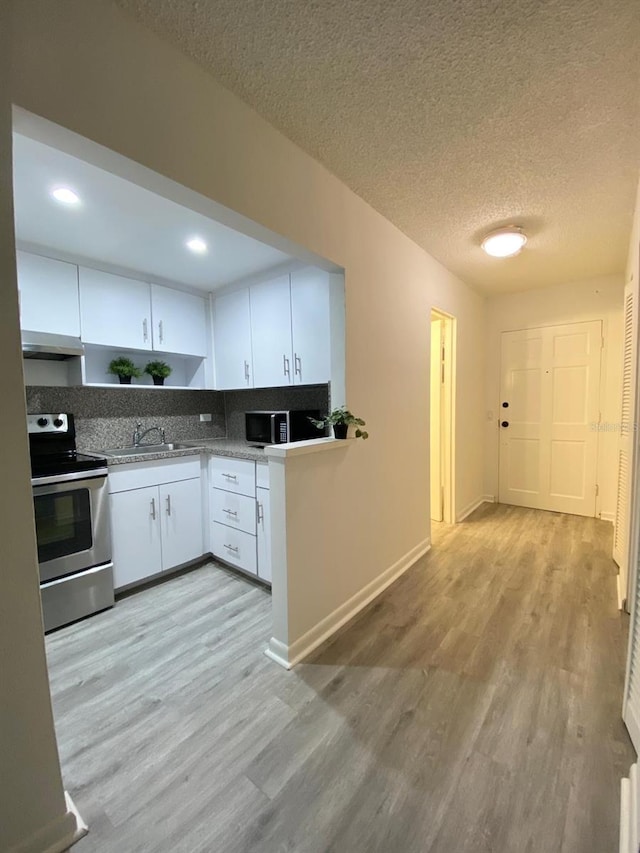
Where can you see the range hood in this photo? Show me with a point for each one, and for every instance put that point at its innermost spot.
(50, 347)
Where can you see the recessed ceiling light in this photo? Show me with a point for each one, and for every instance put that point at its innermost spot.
(65, 195)
(197, 245)
(505, 242)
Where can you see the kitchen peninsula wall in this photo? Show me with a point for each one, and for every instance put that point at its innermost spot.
(106, 417)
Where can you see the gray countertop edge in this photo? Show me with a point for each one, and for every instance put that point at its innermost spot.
(214, 447)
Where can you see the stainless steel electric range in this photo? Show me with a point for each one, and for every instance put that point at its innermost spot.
(71, 504)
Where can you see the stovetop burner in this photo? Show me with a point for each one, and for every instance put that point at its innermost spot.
(52, 445)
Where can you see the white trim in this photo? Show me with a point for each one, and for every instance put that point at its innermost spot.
(57, 836)
(621, 592)
(469, 508)
(629, 812)
(632, 722)
(608, 516)
(289, 656)
(489, 499)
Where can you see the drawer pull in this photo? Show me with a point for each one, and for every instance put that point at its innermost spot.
(231, 548)
(260, 512)
(231, 476)
(230, 512)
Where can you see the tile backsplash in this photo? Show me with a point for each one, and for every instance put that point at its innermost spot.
(106, 417)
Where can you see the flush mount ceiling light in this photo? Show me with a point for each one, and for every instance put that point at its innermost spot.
(65, 195)
(505, 242)
(197, 245)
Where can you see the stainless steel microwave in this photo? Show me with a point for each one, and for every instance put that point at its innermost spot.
(280, 427)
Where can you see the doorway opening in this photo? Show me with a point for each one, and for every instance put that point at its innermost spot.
(442, 381)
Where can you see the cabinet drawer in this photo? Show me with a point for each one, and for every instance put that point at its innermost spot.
(234, 475)
(235, 547)
(139, 475)
(237, 511)
(262, 475)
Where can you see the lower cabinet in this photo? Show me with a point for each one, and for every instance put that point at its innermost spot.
(154, 527)
(264, 534)
(241, 534)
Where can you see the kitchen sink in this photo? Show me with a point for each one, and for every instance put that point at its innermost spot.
(144, 448)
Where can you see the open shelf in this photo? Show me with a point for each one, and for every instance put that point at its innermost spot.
(188, 371)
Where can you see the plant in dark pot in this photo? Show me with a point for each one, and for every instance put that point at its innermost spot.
(124, 369)
(158, 371)
(341, 420)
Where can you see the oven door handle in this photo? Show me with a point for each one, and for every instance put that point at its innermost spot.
(68, 478)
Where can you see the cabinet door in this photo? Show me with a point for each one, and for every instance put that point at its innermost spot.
(310, 327)
(271, 333)
(264, 534)
(48, 295)
(114, 311)
(179, 321)
(181, 514)
(232, 341)
(135, 534)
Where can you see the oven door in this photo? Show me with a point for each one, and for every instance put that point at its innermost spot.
(72, 523)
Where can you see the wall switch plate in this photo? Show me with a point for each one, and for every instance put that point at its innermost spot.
(205, 418)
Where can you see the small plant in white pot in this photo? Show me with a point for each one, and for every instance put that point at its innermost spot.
(341, 419)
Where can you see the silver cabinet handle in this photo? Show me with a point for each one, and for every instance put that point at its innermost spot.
(161, 332)
(285, 366)
(153, 508)
(230, 512)
(297, 365)
(230, 476)
(260, 512)
(145, 330)
(246, 370)
(232, 548)
(168, 504)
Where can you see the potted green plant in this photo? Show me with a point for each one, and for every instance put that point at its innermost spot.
(341, 419)
(158, 371)
(124, 369)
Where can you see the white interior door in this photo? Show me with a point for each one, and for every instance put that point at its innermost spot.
(623, 520)
(435, 426)
(549, 412)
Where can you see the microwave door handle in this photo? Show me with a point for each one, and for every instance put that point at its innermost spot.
(273, 428)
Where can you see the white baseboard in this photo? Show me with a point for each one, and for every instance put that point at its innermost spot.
(629, 812)
(622, 593)
(58, 835)
(489, 499)
(608, 516)
(469, 508)
(289, 656)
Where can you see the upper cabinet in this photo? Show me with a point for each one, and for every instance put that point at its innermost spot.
(179, 321)
(232, 341)
(114, 311)
(310, 327)
(274, 333)
(124, 312)
(271, 333)
(48, 295)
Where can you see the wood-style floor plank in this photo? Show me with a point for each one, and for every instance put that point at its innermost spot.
(474, 706)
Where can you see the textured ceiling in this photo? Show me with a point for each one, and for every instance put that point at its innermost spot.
(450, 117)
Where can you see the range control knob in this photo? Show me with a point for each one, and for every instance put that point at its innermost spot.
(58, 422)
(43, 422)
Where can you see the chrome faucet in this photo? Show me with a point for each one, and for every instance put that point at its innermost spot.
(138, 436)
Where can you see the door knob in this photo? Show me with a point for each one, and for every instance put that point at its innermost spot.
(504, 424)
(505, 405)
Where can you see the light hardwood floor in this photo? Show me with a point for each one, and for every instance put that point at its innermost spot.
(475, 706)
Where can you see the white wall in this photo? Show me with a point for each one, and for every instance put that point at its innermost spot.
(594, 299)
(88, 67)
(32, 804)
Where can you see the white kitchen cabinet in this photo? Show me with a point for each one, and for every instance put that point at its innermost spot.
(263, 534)
(233, 475)
(232, 341)
(114, 311)
(237, 511)
(49, 299)
(310, 327)
(179, 321)
(137, 550)
(271, 333)
(181, 522)
(235, 547)
(156, 517)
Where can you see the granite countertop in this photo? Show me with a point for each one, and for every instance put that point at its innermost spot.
(213, 446)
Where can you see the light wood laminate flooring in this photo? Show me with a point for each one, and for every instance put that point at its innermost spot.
(474, 706)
